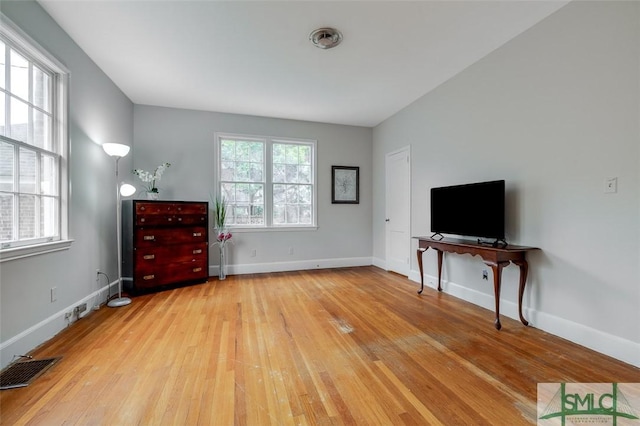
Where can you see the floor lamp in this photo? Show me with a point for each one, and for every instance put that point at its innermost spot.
(117, 151)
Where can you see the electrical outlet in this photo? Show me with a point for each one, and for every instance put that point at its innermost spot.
(485, 275)
(68, 315)
(80, 308)
(253, 253)
(290, 250)
(54, 294)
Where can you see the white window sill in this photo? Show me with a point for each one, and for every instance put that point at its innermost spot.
(33, 250)
(241, 229)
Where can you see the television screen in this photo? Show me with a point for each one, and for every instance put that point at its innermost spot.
(474, 210)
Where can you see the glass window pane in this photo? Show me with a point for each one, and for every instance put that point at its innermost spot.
(279, 153)
(7, 166)
(2, 65)
(227, 170)
(292, 194)
(292, 214)
(242, 171)
(48, 175)
(41, 89)
(304, 174)
(27, 178)
(3, 124)
(19, 75)
(291, 173)
(292, 154)
(279, 173)
(42, 130)
(304, 154)
(305, 214)
(255, 172)
(257, 152)
(27, 220)
(279, 194)
(228, 150)
(278, 214)
(229, 192)
(304, 192)
(6, 217)
(19, 120)
(49, 217)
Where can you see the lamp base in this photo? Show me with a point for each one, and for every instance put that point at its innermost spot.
(120, 301)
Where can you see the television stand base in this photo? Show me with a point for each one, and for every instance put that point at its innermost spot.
(495, 257)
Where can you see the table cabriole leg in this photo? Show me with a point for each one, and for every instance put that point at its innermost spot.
(440, 255)
(419, 253)
(524, 268)
(497, 280)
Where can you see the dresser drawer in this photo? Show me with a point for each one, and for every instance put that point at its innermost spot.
(170, 273)
(160, 255)
(171, 219)
(162, 207)
(149, 237)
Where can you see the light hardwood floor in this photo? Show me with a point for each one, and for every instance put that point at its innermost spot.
(352, 346)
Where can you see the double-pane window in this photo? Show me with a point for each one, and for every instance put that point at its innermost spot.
(267, 182)
(31, 144)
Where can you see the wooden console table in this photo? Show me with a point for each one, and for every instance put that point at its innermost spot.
(496, 257)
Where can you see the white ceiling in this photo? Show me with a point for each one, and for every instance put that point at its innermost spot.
(255, 57)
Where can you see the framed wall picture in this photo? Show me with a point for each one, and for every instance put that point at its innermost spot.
(345, 185)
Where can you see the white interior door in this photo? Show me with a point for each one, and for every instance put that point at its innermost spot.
(398, 210)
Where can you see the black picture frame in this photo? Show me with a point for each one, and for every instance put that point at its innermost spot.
(345, 185)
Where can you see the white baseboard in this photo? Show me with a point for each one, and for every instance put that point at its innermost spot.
(26, 341)
(605, 343)
(380, 263)
(301, 265)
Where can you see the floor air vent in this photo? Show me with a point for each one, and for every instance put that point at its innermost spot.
(20, 374)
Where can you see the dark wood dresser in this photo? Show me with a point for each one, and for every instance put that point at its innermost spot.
(164, 243)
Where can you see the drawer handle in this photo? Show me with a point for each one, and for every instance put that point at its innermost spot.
(197, 234)
(179, 219)
(198, 251)
(142, 220)
(169, 219)
(148, 277)
(149, 256)
(149, 238)
(197, 269)
(142, 208)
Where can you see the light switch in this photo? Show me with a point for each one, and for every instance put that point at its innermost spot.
(611, 185)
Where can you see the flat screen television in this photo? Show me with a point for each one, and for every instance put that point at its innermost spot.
(472, 210)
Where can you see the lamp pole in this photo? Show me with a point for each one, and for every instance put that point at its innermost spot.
(117, 151)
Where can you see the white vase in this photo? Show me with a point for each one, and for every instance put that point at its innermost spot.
(153, 195)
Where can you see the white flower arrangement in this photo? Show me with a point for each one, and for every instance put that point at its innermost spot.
(151, 178)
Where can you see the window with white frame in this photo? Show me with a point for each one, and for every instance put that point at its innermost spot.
(32, 142)
(267, 182)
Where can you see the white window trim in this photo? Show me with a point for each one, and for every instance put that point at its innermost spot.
(269, 140)
(60, 86)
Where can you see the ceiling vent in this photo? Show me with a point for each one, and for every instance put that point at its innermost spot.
(325, 38)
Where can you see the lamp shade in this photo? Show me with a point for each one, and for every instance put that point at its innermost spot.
(127, 190)
(116, 149)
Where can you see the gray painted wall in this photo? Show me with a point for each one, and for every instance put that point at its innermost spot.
(185, 138)
(99, 112)
(554, 112)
